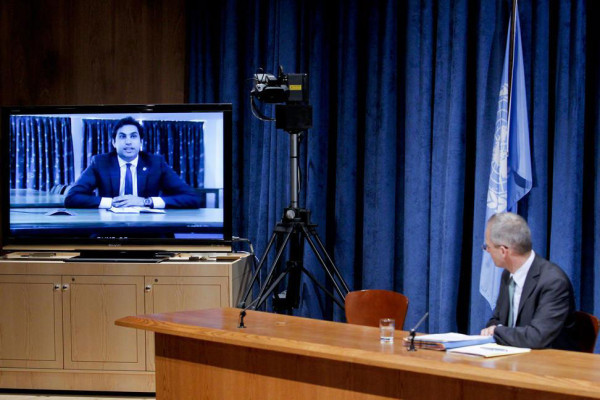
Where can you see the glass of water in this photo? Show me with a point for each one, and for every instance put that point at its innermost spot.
(386, 330)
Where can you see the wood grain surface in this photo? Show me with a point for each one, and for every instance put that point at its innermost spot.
(61, 52)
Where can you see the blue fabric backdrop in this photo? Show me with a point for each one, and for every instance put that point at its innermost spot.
(96, 138)
(396, 166)
(182, 144)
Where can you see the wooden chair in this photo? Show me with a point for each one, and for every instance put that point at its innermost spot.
(586, 331)
(366, 307)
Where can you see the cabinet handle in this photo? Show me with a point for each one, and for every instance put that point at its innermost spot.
(65, 287)
(57, 286)
(147, 288)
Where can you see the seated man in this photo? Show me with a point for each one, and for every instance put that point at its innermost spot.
(541, 314)
(129, 177)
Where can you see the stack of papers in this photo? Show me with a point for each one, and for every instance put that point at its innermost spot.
(450, 340)
(489, 350)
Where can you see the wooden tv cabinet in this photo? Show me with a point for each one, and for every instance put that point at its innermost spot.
(57, 328)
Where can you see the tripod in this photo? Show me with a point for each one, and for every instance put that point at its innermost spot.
(292, 230)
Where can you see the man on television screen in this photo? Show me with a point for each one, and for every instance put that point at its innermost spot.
(129, 177)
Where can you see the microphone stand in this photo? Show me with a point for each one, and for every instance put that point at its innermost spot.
(242, 315)
(243, 312)
(413, 332)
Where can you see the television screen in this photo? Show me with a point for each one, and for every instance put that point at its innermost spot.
(116, 175)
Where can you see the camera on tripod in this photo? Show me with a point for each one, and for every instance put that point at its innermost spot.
(294, 116)
(281, 89)
(292, 89)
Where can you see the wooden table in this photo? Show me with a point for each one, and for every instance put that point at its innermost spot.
(204, 355)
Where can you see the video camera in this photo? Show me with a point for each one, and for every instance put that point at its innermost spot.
(292, 89)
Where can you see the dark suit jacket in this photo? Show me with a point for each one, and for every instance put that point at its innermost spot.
(155, 178)
(545, 316)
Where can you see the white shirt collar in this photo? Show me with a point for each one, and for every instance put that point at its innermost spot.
(520, 275)
(133, 162)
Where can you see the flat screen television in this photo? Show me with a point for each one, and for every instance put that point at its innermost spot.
(67, 182)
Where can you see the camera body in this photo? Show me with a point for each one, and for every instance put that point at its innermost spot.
(292, 90)
(281, 89)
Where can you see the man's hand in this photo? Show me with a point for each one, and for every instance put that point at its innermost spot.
(489, 331)
(127, 201)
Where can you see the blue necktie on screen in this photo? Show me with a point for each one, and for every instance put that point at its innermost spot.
(128, 180)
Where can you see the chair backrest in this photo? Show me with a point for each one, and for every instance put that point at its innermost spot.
(586, 331)
(58, 188)
(366, 307)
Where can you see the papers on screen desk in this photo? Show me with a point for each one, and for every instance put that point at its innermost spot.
(489, 350)
(136, 210)
(451, 340)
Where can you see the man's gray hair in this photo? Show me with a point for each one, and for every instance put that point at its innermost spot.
(510, 230)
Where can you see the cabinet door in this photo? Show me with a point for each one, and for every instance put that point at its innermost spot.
(91, 304)
(30, 321)
(169, 294)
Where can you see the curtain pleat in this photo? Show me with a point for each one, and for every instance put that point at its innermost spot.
(182, 145)
(567, 175)
(96, 138)
(420, 44)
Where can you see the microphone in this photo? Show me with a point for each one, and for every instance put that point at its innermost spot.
(413, 332)
(243, 312)
(242, 315)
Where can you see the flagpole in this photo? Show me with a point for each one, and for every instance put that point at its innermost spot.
(511, 54)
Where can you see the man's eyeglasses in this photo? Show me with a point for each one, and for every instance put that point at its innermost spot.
(485, 246)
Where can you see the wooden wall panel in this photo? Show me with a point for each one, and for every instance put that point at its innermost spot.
(92, 52)
(64, 52)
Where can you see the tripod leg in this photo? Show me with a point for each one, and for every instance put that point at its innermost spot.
(323, 288)
(322, 262)
(336, 271)
(276, 261)
(267, 291)
(242, 303)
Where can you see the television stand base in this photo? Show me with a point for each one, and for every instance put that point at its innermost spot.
(146, 256)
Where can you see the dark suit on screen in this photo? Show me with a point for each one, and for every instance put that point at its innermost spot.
(155, 178)
(545, 315)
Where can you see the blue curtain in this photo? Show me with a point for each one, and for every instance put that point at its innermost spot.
(96, 138)
(41, 152)
(180, 142)
(396, 166)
